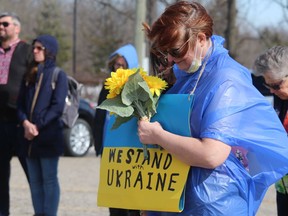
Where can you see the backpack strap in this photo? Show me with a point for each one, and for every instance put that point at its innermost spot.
(56, 71)
(36, 95)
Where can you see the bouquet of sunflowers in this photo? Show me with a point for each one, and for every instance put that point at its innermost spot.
(132, 93)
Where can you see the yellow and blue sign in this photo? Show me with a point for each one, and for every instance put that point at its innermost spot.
(129, 181)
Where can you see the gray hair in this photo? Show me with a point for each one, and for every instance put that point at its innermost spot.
(14, 17)
(274, 61)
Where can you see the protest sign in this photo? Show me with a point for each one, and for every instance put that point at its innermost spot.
(129, 181)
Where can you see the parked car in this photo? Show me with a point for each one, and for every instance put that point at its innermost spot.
(79, 138)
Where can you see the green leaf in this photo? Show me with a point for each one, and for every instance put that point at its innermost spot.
(150, 104)
(133, 90)
(144, 86)
(116, 106)
(119, 121)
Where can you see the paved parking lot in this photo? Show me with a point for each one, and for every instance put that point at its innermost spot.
(79, 184)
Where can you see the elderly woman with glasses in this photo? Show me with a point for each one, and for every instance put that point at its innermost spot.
(234, 151)
(273, 66)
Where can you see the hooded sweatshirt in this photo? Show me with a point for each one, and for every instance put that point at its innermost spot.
(49, 104)
(129, 52)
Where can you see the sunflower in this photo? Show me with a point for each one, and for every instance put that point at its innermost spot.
(156, 85)
(116, 82)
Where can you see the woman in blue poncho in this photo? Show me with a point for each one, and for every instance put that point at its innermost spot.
(238, 147)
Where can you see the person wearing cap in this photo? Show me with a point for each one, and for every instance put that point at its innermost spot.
(40, 108)
(15, 58)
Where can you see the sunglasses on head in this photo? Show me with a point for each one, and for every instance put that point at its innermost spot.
(5, 24)
(39, 48)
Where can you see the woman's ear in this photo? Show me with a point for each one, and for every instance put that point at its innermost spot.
(202, 38)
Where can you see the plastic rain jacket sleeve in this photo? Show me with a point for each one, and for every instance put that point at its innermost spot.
(228, 108)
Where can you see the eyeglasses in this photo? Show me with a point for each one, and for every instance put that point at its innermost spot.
(119, 65)
(5, 24)
(275, 86)
(39, 48)
(161, 60)
(178, 52)
(160, 63)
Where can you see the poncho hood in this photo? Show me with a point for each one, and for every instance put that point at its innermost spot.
(129, 52)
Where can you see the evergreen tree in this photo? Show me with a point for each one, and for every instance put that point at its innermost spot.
(49, 21)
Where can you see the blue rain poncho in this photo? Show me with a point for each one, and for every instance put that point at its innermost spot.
(227, 107)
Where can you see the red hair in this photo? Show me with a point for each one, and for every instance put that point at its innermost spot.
(179, 23)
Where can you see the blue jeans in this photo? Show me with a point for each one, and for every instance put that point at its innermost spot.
(44, 185)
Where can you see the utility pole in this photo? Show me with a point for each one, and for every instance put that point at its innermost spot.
(139, 34)
(230, 32)
(74, 36)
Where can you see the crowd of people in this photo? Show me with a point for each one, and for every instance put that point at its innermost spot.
(238, 145)
(33, 109)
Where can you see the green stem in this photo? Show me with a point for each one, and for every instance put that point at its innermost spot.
(139, 109)
(142, 115)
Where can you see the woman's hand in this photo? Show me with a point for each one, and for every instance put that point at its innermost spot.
(148, 132)
(30, 130)
(207, 153)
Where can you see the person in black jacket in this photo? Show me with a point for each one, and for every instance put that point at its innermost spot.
(15, 58)
(273, 67)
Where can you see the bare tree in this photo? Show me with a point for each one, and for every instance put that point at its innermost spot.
(284, 5)
(231, 30)
(104, 25)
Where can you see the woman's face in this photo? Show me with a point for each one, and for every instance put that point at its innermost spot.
(183, 62)
(120, 62)
(194, 52)
(39, 52)
(277, 87)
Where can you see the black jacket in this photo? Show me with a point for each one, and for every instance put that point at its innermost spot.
(21, 59)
